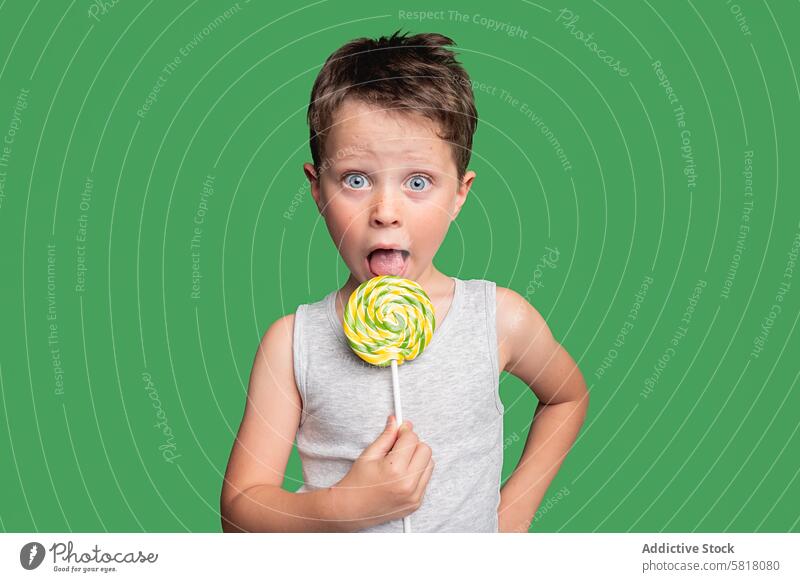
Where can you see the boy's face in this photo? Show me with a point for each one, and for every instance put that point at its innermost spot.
(387, 181)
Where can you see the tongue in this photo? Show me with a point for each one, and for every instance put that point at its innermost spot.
(386, 262)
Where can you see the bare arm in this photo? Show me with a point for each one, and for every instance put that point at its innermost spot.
(387, 481)
(528, 350)
(252, 498)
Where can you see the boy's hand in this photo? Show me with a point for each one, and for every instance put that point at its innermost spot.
(388, 480)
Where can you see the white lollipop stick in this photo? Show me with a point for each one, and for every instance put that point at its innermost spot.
(398, 413)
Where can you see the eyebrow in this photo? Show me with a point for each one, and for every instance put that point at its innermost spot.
(351, 156)
(411, 156)
(350, 167)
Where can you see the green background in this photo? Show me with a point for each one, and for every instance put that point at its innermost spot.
(712, 447)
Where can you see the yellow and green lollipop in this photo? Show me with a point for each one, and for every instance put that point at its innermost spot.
(387, 321)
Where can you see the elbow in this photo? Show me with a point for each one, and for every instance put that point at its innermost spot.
(229, 527)
(225, 517)
(579, 394)
(226, 512)
(584, 400)
(237, 507)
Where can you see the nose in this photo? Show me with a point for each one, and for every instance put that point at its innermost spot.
(385, 211)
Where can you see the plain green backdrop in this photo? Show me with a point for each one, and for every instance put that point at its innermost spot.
(155, 220)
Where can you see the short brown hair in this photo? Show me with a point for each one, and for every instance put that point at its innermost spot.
(399, 72)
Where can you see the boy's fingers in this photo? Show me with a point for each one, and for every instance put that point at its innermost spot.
(383, 444)
(420, 459)
(424, 479)
(404, 446)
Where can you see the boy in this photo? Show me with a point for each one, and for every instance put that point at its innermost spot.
(391, 125)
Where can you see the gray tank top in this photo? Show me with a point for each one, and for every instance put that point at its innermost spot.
(449, 392)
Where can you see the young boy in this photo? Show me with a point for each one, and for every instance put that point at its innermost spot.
(391, 125)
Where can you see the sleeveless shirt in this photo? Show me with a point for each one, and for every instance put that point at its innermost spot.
(450, 393)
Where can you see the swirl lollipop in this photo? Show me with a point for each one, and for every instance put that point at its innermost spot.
(387, 321)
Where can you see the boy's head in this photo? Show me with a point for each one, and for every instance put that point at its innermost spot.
(391, 125)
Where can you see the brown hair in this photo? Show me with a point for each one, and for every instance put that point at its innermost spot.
(414, 73)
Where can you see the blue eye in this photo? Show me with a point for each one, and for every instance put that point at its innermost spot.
(355, 181)
(418, 183)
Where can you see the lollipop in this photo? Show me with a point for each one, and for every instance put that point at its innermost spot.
(387, 321)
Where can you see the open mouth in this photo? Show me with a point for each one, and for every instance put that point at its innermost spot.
(388, 262)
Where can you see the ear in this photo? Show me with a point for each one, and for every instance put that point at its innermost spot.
(461, 194)
(313, 179)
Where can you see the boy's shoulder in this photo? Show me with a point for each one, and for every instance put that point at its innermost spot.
(278, 339)
(282, 324)
(518, 325)
(511, 305)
